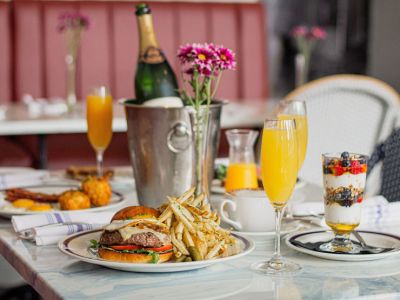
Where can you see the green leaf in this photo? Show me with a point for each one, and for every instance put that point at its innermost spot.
(220, 172)
(94, 244)
(155, 258)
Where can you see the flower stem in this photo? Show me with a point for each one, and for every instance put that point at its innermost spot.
(216, 85)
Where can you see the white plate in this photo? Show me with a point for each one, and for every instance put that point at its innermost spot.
(14, 170)
(377, 239)
(264, 236)
(77, 246)
(6, 209)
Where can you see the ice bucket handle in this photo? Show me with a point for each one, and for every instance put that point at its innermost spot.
(179, 137)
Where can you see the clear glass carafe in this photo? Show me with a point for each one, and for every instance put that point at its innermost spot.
(242, 171)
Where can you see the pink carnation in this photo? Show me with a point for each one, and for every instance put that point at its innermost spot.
(318, 33)
(71, 20)
(300, 31)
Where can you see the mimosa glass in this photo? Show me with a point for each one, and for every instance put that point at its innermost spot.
(296, 109)
(99, 121)
(279, 165)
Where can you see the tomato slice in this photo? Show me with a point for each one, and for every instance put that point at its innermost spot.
(160, 249)
(134, 247)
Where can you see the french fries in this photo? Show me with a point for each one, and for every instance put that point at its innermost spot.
(194, 228)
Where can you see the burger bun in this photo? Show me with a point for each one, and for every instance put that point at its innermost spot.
(131, 212)
(132, 257)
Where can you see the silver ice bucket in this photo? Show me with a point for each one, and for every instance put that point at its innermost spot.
(160, 144)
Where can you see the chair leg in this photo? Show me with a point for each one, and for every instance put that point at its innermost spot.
(24, 292)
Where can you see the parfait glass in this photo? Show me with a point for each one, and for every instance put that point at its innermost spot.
(279, 165)
(99, 122)
(344, 182)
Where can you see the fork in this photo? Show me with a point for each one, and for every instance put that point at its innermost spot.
(365, 246)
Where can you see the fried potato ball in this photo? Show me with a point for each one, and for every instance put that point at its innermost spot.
(98, 190)
(73, 200)
(41, 207)
(23, 203)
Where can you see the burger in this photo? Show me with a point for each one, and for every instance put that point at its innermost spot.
(135, 235)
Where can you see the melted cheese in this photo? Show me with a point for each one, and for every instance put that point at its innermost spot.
(127, 232)
(117, 224)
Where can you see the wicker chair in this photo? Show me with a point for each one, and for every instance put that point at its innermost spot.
(345, 113)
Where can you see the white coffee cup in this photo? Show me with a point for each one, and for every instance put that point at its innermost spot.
(249, 211)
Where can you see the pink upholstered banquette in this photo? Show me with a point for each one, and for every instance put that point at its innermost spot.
(32, 53)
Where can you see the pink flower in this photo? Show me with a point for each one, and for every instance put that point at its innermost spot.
(185, 53)
(203, 57)
(71, 20)
(226, 58)
(318, 33)
(300, 31)
(206, 59)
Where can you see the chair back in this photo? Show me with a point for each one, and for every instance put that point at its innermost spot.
(345, 113)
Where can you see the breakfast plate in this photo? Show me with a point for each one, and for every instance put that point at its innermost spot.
(77, 246)
(8, 210)
(304, 242)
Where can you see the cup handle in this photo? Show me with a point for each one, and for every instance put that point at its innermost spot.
(224, 218)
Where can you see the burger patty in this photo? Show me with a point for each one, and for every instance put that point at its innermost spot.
(145, 239)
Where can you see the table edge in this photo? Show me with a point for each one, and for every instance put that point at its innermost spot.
(31, 277)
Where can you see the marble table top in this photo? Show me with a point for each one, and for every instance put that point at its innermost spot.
(55, 276)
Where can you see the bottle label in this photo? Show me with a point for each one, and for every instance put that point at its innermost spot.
(153, 55)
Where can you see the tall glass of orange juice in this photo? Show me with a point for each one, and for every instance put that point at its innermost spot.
(296, 109)
(99, 122)
(279, 165)
(242, 171)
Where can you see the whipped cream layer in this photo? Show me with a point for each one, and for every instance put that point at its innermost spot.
(337, 214)
(345, 180)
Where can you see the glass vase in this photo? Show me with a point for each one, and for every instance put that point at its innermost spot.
(70, 60)
(302, 65)
(73, 37)
(200, 123)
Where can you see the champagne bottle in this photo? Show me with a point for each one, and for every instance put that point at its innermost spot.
(154, 77)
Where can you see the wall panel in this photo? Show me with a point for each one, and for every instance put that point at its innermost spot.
(224, 31)
(5, 54)
(55, 49)
(253, 70)
(29, 48)
(95, 55)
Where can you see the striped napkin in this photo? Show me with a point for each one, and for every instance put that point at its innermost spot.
(49, 228)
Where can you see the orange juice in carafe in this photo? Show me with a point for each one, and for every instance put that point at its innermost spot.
(242, 171)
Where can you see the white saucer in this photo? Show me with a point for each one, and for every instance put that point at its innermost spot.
(216, 187)
(264, 236)
(372, 238)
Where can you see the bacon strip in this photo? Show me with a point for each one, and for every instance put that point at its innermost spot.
(17, 193)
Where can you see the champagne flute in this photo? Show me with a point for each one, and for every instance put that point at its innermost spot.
(296, 109)
(99, 123)
(279, 165)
